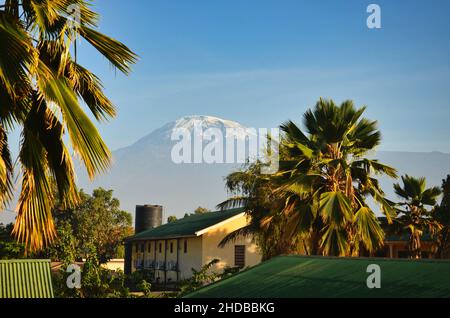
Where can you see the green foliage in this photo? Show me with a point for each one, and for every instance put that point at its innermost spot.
(442, 215)
(199, 278)
(145, 287)
(139, 280)
(171, 218)
(42, 91)
(414, 215)
(9, 247)
(65, 248)
(317, 200)
(199, 210)
(96, 281)
(97, 220)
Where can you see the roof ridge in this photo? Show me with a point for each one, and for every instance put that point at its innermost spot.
(363, 258)
(25, 260)
(187, 226)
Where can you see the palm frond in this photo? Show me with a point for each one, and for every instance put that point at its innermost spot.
(117, 53)
(335, 208)
(34, 223)
(90, 89)
(369, 229)
(84, 136)
(237, 234)
(6, 170)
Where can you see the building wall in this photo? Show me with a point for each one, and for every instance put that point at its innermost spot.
(192, 258)
(399, 249)
(212, 238)
(114, 264)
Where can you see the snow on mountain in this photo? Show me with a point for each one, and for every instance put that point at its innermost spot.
(162, 136)
(144, 172)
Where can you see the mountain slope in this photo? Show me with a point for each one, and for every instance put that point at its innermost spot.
(144, 172)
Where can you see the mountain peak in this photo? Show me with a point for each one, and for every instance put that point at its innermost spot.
(205, 121)
(162, 135)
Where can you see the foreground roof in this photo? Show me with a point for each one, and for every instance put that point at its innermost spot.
(323, 277)
(188, 226)
(25, 279)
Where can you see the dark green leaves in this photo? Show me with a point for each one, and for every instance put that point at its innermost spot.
(335, 208)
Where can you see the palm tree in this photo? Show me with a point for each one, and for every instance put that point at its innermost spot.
(442, 215)
(319, 196)
(327, 178)
(42, 88)
(414, 216)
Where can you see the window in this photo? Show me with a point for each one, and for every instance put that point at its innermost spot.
(239, 255)
(160, 247)
(185, 246)
(149, 247)
(142, 247)
(171, 247)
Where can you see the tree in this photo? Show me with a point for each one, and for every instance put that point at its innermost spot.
(100, 222)
(323, 182)
(97, 221)
(171, 218)
(442, 215)
(9, 247)
(327, 178)
(205, 275)
(42, 87)
(414, 215)
(197, 211)
(96, 281)
(201, 210)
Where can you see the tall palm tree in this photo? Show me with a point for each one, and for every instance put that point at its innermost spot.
(414, 215)
(327, 178)
(318, 197)
(442, 215)
(42, 88)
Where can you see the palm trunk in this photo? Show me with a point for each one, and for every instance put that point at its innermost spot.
(414, 245)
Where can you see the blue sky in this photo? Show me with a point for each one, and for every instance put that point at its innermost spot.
(261, 62)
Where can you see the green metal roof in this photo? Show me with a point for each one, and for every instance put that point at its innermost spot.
(25, 279)
(186, 226)
(326, 277)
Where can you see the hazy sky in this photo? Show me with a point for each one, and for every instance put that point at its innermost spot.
(262, 62)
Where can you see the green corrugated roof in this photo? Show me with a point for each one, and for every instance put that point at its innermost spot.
(187, 226)
(322, 277)
(25, 279)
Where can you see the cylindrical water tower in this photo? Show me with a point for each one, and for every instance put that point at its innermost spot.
(147, 217)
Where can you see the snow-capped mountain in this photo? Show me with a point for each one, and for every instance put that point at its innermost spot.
(163, 136)
(144, 172)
